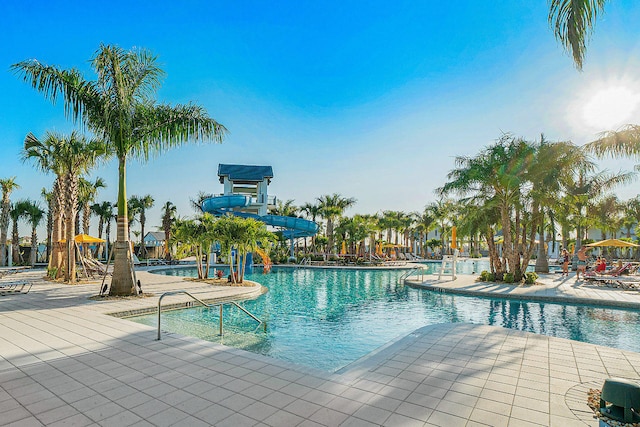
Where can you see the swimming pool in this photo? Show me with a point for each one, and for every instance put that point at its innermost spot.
(328, 318)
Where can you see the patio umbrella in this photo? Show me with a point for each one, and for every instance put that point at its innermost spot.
(616, 243)
(343, 251)
(84, 238)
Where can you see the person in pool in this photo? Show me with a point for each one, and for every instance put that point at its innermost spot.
(582, 262)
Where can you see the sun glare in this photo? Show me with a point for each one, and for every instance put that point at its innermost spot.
(609, 108)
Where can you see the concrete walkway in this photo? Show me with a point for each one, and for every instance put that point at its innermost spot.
(65, 361)
(549, 287)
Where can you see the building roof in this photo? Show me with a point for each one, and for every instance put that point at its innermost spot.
(157, 236)
(246, 173)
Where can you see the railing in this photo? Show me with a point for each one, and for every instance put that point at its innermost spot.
(406, 274)
(204, 304)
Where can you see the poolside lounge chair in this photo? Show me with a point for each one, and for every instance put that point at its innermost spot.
(614, 272)
(12, 288)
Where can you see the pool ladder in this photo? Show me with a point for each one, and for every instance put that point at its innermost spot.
(204, 304)
(406, 274)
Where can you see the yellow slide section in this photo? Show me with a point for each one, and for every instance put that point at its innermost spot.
(266, 261)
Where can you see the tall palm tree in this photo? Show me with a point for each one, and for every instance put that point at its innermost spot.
(18, 211)
(68, 157)
(441, 211)
(104, 212)
(143, 203)
(7, 185)
(586, 189)
(554, 163)
(332, 207)
(572, 22)
(424, 223)
(168, 218)
(498, 174)
(33, 214)
(120, 109)
(311, 211)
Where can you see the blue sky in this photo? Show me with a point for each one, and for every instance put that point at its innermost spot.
(371, 100)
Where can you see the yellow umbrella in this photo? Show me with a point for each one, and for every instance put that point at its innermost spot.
(616, 243)
(84, 238)
(453, 237)
(343, 251)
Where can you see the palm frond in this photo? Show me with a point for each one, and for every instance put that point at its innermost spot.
(572, 22)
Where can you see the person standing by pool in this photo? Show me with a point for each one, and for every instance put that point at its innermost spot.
(565, 262)
(582, 262)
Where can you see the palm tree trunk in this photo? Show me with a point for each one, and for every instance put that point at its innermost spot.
(4, 230)
(49, 228)
(55, 260)
(72, 206)
(34, 247)
(15, 243)
(143, 247)
(329, 236)
(122, 282)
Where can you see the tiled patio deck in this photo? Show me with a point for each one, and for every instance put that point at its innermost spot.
(63, 361)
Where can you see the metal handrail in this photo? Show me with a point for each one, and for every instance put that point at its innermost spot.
(402, 278)
(204, 304)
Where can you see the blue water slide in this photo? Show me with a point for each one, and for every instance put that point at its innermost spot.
(292, 227)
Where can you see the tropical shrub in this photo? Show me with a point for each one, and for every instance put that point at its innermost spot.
(485, 276)
(530, 278)
(508, 278)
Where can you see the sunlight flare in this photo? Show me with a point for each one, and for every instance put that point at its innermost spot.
(611, 107)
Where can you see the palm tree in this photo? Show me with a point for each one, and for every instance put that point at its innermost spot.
(18, 211)
(572, 22)
(553, 165)
(498, 175)
(68, 157)
(196, 203)
(441, 211)
(87, 192)
(285, 208)
(48, 198)
(425, 222)
(332, 207)
(34, 214)
(142, 203)
(104, 212)
(312, 212)
(631, 214)
(168, 218)
(242, 235)
(7, 185)
(586, 188)
(120, 109)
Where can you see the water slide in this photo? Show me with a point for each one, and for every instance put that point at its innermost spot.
(291, 227)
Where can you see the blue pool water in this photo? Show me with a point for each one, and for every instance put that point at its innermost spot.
(330, 318)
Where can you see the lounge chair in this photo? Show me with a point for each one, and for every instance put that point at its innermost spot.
(12, 288)
(614, 272)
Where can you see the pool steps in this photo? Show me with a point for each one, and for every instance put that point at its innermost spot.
(204, 304)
